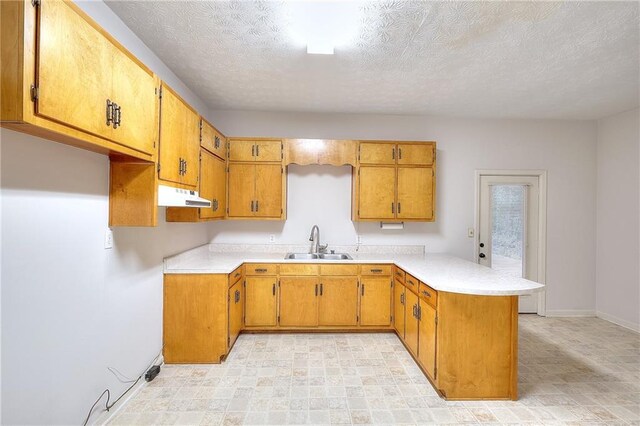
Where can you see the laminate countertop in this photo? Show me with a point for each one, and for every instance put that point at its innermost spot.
(442, 272)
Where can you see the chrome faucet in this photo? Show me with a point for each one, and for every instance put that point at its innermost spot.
(316, 247)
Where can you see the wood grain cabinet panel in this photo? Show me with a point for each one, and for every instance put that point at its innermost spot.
(260, 301)
(399, 308)
(236, 311)
(411, 326)
(212, 140)
(416, 154)
(377, 153)
(299, 301)
(269, 190)
(213, 179)
(375, 301)
(242, 150)
(268, 150)
(255, 150)
(338, 301)
(74, 70)
(415, 193)
(377, 187)
(242, 187)
(427, 338)
(256, 190)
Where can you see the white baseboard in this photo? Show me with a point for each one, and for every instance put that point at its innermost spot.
(619, 321)
(571, 313)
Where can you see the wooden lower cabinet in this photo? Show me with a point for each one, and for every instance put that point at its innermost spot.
(195, 318)
(411, 321)
(427, 338)
(399, 308)
(260, 301)
(375, 301)
(338, 301)
(236, 311)
(299, 301)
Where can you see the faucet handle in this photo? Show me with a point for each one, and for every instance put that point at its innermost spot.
(322, 247)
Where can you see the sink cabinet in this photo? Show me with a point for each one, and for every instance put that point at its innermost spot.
(338, 301)
(299, 301)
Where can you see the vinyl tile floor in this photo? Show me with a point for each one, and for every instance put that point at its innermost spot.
(574, 371)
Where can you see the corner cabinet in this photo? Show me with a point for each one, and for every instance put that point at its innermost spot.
(394, 182)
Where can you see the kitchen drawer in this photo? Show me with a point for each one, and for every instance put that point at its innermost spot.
(399, 274)
(261, 269)
(428, 294)
(375, 269)
(236, 275)
(338, 269)
(298, 269)
(411, 283)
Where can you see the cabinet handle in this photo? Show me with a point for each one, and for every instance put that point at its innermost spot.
(419, 313)
(362, 289)
(251, 205)
(260, 270)
(392, 208)
(214, 205)
(393, 153)
(411, 283)
(320, 289)
(399, 153)
(402, 299)
(185, 166)
(273, 289)
(109, 112)
(376, 271)
(399, 208)
(316, 289)
(216, 142)
(253, 150)
(257, 150)
(257, 206)
(117, 116)
(426, 293)
(237, 298)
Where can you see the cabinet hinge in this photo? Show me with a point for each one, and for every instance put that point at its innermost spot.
(160, 96)
(278, 318)
(228, 340)
(358, 156)
(436, 318)
(357, 318)
(435, 372)
(281, 170)
(281, 151)
(281, 211)
(158, 167)
(35, 91)
(36, 3)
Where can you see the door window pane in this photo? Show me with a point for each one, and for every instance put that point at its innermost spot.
(507, 228)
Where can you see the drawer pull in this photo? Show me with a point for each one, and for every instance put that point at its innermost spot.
(376, 271)
(398, 273)
(237, 275)
(410, 282)
(261, 269)
(426, 293)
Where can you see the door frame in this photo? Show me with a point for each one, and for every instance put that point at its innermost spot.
(542, 222)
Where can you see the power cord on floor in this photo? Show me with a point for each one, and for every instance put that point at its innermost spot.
(109, 406)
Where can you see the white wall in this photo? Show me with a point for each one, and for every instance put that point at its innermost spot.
(566, 149)
(618, 215)
(70, 308)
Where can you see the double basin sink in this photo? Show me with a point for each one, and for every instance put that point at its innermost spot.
(319, 256)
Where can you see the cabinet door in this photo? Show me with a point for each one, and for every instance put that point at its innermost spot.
(338, 301)
(191, 148)
(427, 340)
(415, 154)
(236, 310)
(74, 70)
(376, 192)
(268, 150)
(299, 301)
(241, 189)
(260, 302)
(375, 301)
(134, 90)
(212, 185)
(415, 193)
(242, 150)
(411, 321)
(377, 153)
(268, 190)
(212, 140)
(398, 308)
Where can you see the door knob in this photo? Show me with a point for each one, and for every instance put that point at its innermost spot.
(482, 255)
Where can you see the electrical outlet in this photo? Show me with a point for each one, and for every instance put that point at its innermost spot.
(470, 232)
(108, 239)
(359, 239)
(272, 238)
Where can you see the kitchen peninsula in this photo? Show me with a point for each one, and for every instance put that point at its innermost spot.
(458, 320)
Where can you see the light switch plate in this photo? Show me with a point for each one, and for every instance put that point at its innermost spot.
(108, 239)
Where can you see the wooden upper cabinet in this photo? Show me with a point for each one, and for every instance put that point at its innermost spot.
(213, 177)
(377, 153)
(255, 150)
(242, 187)
(179, 139)
(415, 193)
(74, 70)
(338, 301)
(376, 192)
(269, 188)
(260, 301)
(135, 93)
(415, 154)
(375, 301)
(212, 140)
(427, 338)
(299, 301)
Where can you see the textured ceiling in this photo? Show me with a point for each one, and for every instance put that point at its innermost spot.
(482, 59)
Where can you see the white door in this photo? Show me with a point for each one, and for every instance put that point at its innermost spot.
(508, 234)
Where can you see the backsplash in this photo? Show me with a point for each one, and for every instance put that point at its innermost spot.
(305, 248)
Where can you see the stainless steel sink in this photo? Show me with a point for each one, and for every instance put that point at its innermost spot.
(334, 256)
(321, 256)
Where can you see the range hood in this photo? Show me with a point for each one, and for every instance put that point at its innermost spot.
(176, 197)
